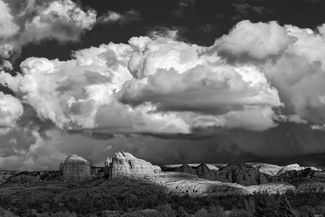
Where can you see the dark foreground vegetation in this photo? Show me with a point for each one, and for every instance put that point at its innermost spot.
(142, 204)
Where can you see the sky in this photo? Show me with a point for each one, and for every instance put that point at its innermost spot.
(170, 81)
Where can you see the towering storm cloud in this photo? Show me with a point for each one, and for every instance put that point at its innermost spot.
(253, 92)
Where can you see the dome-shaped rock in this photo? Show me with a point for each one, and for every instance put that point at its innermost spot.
(75, 169)
(124, 164)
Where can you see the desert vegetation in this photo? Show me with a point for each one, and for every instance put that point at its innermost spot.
(149, 201)
(135, 192)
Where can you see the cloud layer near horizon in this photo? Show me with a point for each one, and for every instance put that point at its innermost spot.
(251, 80)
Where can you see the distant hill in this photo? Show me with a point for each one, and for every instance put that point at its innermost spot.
(246, 174)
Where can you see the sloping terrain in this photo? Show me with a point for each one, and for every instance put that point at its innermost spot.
(239, 173)
(5, 174)
(269, 169)
(180, 183)
(194, 180)
(295, 167)
(162, 183)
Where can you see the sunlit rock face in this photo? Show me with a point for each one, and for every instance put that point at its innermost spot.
(242, 174)
(75, 169)
(185, 168)
(156, 169)
(204, 172)
(124, 164)
(295, 167)
(234, 173)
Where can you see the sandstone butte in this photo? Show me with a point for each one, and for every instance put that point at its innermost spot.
(122, 164)
(75, 169)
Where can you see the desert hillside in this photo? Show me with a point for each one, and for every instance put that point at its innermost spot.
(127, 181)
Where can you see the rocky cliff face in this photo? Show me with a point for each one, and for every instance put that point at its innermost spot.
(242, 174)
(185, 168)
(234, 173)
(247, 175)
(269, 169)
(75, 169)
(296, 167)
(124, 164)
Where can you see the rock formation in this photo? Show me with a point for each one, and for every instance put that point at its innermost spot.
(295, 167)
(242, 174)
(234, 173)
(269, 169)
(185, 168)
(204, 172)
(124, 164)
(75, 169)
(156, 169)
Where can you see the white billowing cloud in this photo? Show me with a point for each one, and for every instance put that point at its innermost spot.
(161, 85)
(291, 58)
(149, 86)
(309, 44)
(81, 93)
(114, 17)
(62, 20)
(10, 110)
(256, 40)
(162, 53)
(291, 118)
(6, 65)
(255, 118)
(321, 30)
(6, 49)
(8, 27)
(298, 75)
(318, 127)
(178, 77)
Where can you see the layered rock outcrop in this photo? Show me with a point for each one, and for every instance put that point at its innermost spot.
(295, 167)
(124, 164)
(234, 173)
(185, 168)
(75, 169)
(242, 174)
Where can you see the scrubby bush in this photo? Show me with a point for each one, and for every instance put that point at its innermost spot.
(289, 204)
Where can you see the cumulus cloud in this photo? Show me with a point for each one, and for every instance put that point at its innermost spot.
(81, 93)
(298, 75)
(253, 41)
(178, 77)
(290, 58)
(8, 27)
(114, 17)
(63, 21)
(155, 86)
(151, 82)
(10, 110)
(258, 90)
